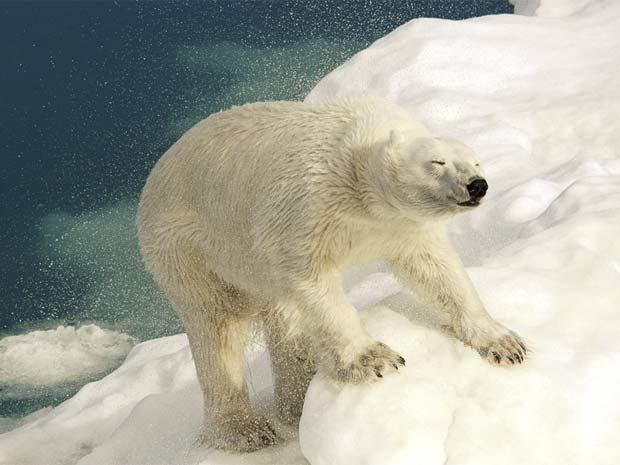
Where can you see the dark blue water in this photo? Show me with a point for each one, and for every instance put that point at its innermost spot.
(92, 93)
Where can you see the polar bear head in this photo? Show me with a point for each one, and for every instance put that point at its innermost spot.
(426, 176)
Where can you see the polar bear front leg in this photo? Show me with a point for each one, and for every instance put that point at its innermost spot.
(341, 345)
(434, 271)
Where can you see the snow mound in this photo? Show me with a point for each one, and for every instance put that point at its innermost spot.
(552, 8)
(538, 101)
(447, 406)
(56, 356)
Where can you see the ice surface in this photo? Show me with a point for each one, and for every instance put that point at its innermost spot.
(67, 353)
(538, 99)
(57, 360)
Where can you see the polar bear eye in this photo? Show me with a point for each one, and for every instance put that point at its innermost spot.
(438, 162)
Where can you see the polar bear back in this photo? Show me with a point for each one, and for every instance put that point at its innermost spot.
(255, 181)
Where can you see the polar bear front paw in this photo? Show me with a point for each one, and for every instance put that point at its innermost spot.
(372, 363)
(499, 346)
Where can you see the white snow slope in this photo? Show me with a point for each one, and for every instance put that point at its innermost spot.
(538, 98)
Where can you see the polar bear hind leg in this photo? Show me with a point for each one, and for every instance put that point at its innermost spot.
(292, 363)
(217, 320)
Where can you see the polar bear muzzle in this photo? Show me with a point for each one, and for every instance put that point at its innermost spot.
(476, 189)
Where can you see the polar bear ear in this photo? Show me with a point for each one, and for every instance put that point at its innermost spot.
(396, 137)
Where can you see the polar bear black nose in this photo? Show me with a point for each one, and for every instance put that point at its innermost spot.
(477, 188)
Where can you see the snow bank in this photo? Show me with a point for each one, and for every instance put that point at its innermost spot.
(148, 411)
(449, 407)
(538, 99)
(46, 358)
(553, 8)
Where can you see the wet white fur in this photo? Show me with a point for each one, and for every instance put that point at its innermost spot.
(254, 213)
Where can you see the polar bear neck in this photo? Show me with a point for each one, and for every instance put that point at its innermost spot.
(370, 140)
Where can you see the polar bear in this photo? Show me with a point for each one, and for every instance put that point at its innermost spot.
(254, 213)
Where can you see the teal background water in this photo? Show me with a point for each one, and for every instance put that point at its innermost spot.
(93, 92)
